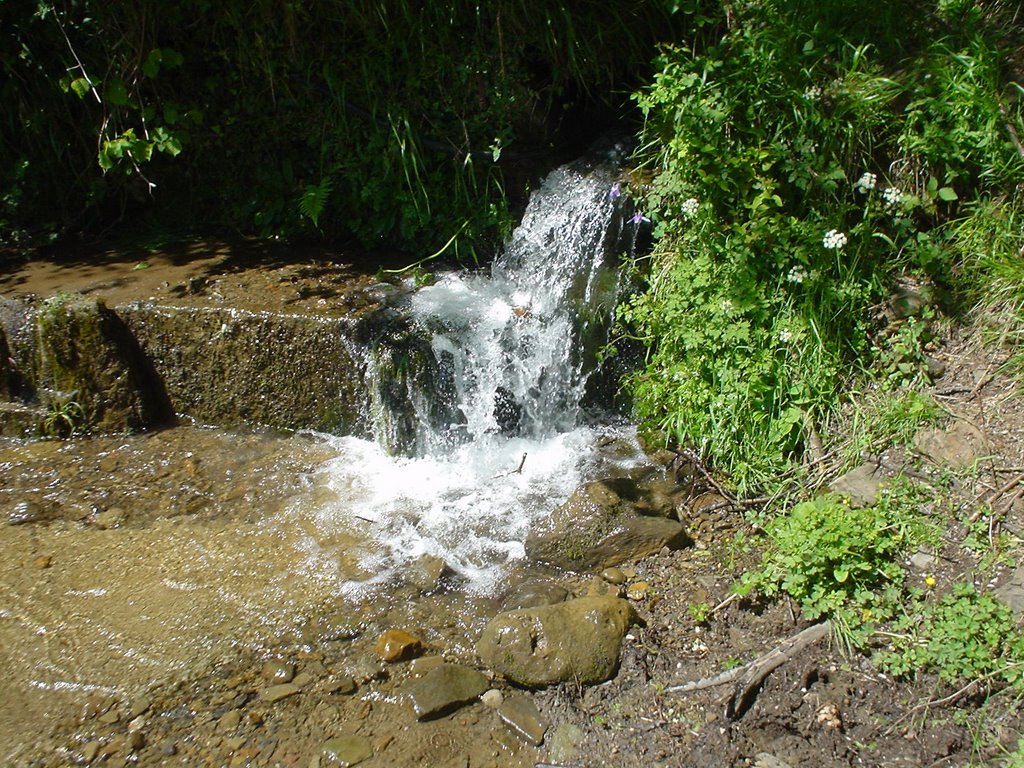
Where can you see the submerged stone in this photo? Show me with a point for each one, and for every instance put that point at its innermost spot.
(345, 751)
(398, 645)
(578, 640)
(445, 689)
(278, 692)
(522, 718)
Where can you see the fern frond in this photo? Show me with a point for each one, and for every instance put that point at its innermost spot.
(314, 199)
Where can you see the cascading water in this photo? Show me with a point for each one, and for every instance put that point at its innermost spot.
(481, 385)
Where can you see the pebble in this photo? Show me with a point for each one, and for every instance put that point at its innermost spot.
(397, 645)
(90, 750)
(278, 692)
(345, 751)
(523, 719)
(444, 690)
(342, 684)
(277, 671)
(613, 576)
(637, 590)
(43, 561)
(109, 717)
(492, 698)
(136, 740)
(424, 665)
(564, 743)
(139, 706)
(922, 561)
(229, 720)
(110, 518)
(303, 679)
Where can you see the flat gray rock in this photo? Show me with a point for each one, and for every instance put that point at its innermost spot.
(444, 689)
(521, 716)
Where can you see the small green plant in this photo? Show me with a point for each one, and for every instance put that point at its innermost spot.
(831, 557)
(967, 636)
(699, 612)
(64, 417)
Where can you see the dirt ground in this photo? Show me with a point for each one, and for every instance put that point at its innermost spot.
(822, 707)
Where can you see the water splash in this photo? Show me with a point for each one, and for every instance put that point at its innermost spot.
(479, 390)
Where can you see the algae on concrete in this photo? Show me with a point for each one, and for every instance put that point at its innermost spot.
(86, 359)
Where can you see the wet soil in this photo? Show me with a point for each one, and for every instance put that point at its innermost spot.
(146, 582)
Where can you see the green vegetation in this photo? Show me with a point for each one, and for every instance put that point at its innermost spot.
(964, 637)
(801, 162)
(838, 560)
(395, 122)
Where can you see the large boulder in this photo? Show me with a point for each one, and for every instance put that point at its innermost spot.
(603, 524)
(578, 640)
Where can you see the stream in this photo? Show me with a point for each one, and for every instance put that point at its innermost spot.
(135, 560)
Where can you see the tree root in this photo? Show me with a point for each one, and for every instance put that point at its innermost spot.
(749, 677)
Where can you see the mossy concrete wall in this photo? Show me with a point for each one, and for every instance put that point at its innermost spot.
(232, 367)
(136, 365)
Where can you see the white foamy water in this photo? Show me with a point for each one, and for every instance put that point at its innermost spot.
(472, 509)
(481, 370)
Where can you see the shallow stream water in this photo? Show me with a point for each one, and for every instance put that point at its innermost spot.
(130, 562)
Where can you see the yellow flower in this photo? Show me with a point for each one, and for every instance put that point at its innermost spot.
(929, 581)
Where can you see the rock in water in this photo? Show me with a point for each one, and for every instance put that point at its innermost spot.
(522, 718)
(445, 689)
(597, 528)
(398, 645)
(345, 751)
(576, 640)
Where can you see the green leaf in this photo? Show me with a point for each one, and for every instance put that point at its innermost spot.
(313, 200)
(171, 58)
(151, 66)
(81, 86)
(948, 194)
(117, 93)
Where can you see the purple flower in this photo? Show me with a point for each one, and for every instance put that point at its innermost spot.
(615, 192)
(638, 218)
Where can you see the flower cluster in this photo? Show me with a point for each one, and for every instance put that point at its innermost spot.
(866, 183)
(834, 240)
(689, 207)
(893, 197)
(797, 275)
(785, 336)
(813, 93)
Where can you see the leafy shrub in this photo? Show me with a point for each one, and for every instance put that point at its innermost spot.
(831, 557)
(966, 636)
(794, 166)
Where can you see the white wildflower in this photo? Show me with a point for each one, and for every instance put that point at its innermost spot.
(785, 335)
(834, 240)
(813, 93)
(893, 197)
(797, 275)
(866, 183)
(689, 207)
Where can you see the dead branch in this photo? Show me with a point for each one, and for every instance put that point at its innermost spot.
(746, 689)
(749, 677)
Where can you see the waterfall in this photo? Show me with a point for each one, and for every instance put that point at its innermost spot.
(477, 386)
(508, 352)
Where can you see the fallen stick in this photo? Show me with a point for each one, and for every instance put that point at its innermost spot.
(746, 689)
(749, 677)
